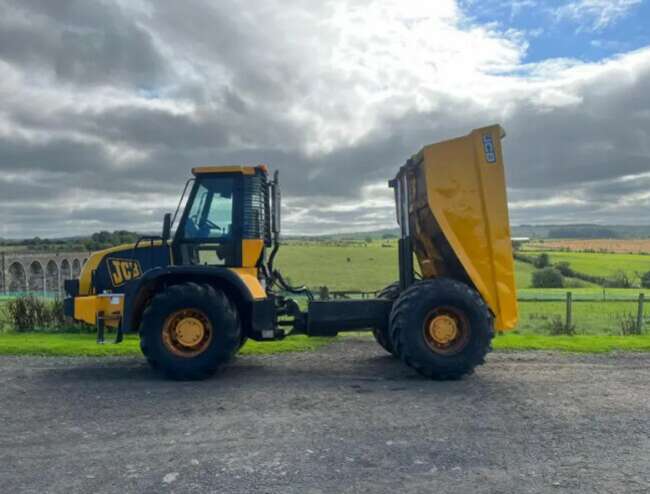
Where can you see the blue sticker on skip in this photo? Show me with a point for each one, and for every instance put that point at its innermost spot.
(488, 149)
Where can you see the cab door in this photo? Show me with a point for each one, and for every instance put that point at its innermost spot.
(209, 232)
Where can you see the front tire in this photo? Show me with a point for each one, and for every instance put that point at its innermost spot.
(189, 330)
(442, 328)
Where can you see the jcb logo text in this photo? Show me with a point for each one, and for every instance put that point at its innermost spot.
(123, 270)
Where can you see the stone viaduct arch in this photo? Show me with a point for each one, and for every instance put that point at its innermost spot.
(51, 276)
(17, 277)
(66, 271)
(35, 277)
(39, 272)
(76, 268)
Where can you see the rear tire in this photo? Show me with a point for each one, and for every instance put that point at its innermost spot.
(382, 334)
(442, 328)
(189, 331)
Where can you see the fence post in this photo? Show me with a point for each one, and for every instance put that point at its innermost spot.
(639, 314)
(569, 309)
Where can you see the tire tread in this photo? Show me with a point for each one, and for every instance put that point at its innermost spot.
(404, 305)
(203, 295)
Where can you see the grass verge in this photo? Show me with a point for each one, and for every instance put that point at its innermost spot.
(84, 345)
(578, 343)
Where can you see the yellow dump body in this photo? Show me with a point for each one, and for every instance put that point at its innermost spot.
(459, 217)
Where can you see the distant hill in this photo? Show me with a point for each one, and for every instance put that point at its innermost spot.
(587, 231)
(577, 231)
(104, 239)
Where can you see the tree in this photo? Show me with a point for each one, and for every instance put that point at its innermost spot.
(548, 278)
(102, 237)
(645, 280)
(542, 261)
(619, 279)
(564, 268)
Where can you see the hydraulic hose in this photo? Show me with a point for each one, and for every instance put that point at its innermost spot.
(277, 278)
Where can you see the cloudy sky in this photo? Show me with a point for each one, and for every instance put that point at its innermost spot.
(105, 106)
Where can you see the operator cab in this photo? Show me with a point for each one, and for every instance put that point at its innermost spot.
(226, 220)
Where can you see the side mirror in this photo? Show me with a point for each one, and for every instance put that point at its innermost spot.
(167, 227)
(277, 200)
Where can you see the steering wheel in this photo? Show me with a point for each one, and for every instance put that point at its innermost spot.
(212, 225)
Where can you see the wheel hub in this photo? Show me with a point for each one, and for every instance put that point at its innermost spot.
(189, 331)
(443, 329)
(446, 330)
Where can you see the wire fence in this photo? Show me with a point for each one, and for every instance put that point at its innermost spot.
(539, 296)
(593, 312)
(324, 293)
(556, 312)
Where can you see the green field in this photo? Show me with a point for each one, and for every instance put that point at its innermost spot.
(523, 274)
(357, 266)
(372, 266)
(589, 318)
(361, 266)
(352, 266)
(602, 264)
(524, 277)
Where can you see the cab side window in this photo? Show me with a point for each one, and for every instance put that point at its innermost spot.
(211, 213)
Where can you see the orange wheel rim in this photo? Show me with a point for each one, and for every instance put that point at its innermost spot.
(187, 332)
(446, 330)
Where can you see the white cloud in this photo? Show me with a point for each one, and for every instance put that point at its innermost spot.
(562, 200)
(595, 14)
(336, 95)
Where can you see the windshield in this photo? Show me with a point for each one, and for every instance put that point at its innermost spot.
(210, 215)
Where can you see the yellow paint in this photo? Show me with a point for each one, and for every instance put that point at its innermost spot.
(85, 277)
(249, 277)
(246, 170)
(251, 249)
(187, 333)
(443, 329)
(190, 331)
(467, 194)
(87, 308)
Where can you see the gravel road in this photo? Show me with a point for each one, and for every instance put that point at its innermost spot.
(344, 419)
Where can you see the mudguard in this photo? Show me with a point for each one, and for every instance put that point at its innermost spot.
(248, 289)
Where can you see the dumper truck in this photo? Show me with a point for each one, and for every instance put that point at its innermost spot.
(196, 295)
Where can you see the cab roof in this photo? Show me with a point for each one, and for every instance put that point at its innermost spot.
(245, 170)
